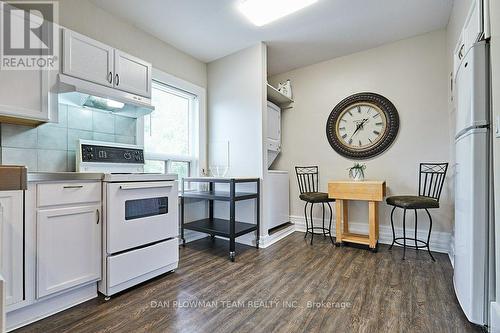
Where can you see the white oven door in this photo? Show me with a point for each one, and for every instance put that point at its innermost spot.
(140, 213)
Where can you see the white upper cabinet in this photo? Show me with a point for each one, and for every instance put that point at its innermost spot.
(90, 60)
(132, 74)
(12, 240)
(25, 96)
(68, 248)
(87, 59)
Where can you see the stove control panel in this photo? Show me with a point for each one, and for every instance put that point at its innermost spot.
(105, 154)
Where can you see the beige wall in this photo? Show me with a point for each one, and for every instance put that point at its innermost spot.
(84, 17)
(412, 73)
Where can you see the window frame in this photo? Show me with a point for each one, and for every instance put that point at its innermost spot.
(197, 158)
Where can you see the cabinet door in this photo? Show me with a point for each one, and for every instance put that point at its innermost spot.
(87, 59)
(24, 94)
(132, 74)
(68, 248)
(32, 104)
(11, 232)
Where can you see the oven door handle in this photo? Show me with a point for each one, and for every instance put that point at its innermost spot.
(144, 185)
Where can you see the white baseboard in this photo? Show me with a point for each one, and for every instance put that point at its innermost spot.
(269, 240)
(45, 308)
(439, 242)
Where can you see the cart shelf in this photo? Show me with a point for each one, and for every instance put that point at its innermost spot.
(219, 195)
(229, 228)
(220, 227)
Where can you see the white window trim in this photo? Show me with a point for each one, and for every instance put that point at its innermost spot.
(198, 164)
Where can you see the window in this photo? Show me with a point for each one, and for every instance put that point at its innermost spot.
(171, 131)
(166, 130)
(154, 166)
(180, 168)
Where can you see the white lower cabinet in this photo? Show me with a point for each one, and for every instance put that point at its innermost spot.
(59, 263)
(68, 248)
(11, 240)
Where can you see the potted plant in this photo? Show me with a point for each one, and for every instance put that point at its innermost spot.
(357, 172)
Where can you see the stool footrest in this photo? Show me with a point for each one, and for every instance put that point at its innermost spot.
(325, 230)
(412, 240)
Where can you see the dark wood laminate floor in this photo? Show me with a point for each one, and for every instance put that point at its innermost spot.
(288, 287)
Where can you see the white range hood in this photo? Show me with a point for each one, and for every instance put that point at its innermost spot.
(77, 92)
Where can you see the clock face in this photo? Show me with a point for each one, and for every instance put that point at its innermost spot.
(362, 126)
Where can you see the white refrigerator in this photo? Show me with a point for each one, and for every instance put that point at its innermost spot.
(472, 181)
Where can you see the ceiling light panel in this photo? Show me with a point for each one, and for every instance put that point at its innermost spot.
(261, 12)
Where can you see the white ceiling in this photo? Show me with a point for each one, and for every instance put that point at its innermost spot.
(210, 29)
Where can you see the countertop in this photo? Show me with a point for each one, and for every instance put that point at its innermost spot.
(58, 176)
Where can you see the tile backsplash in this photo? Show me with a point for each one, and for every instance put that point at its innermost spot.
(51, 147)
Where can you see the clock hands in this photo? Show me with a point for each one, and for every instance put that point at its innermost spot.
(363, 122)
(359, 126)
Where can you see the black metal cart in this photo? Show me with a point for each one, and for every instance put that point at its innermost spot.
(221, 227)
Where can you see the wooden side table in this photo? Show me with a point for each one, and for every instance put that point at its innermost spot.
(372, 191)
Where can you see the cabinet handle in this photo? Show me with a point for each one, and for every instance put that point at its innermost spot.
(146, 185)
(98, 216)
(461, 52)
(117, 79)
(110, 77)
(73, 186)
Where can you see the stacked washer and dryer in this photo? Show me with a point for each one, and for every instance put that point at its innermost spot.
(277, 181)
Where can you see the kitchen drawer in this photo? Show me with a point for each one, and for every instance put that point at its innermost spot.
(68, 193)
(132, 264)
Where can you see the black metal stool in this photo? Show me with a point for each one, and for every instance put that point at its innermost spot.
(430, 184)
(308, 181)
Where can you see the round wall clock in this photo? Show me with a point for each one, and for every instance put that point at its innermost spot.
(362, 126)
